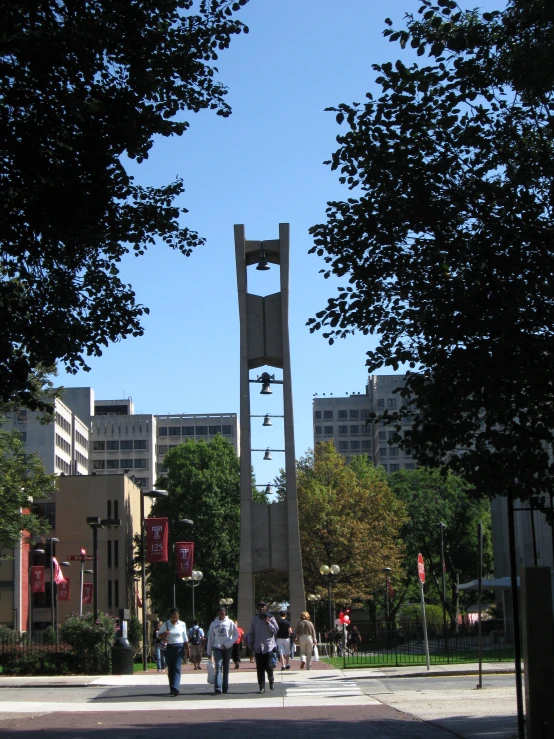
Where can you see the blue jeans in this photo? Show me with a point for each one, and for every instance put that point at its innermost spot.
(221, 660)
(160, 657)
(174, 655)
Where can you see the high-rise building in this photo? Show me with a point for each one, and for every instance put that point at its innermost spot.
(346, 421)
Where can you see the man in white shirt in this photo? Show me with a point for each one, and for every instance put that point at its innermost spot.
(222, 634)
(174, 633)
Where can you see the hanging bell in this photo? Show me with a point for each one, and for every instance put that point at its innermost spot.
(267, 421)
(267, 455)
(268, 489)
(266, 390)
(262, 265)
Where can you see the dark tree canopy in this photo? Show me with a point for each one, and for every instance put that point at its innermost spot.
(83, 86)
(447, 238)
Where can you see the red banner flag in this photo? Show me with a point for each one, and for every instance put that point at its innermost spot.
(63, 590)
(37, 579)
(184, 554)
(156, 539)
(58, 574)
(87, 593)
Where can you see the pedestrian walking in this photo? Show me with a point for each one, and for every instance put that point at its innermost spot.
(306, 637)
(177, 645)
(237, 646)
(221, 636)
(261, 640)
(283, 640)
(355, 639)
(159, 650)
(196, 635)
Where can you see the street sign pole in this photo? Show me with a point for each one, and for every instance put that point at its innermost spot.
(421, 574)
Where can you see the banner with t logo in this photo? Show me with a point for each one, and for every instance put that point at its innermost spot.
(87, 593)
(37, 579)
(184, 554)
(156, 539)
(63, 590)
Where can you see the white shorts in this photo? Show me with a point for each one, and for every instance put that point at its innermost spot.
(283, 645)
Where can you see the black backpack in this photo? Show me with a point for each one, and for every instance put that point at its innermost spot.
(195, 638)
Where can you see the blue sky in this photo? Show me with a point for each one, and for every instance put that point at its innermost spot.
(261, 166)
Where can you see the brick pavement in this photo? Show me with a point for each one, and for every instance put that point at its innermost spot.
(356, 722)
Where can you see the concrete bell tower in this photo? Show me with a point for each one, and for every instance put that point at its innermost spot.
(269, 534)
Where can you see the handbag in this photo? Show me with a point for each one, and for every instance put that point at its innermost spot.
(211, 672)
(316, 653)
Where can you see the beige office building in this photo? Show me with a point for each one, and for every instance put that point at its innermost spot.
(346, 422)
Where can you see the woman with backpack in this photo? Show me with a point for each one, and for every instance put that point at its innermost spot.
(196, 635)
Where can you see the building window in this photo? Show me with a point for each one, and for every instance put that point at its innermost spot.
(381, 403)
(116, 593)
(126, 444)
(391, 402)
(394, 467)
(227, 430)
(47, 511)
(318, 430)
(188, 431)
(173, 446)
(98, 464)
(174, 431)
(116, 554)
(327, 414)
(364, 413)
(366, 444)
(354, 413)
(328, 430)
(112, 445)
(317, 415)
(343, 414)
(383, 451)
(126, 464)
(354, 429)
(215, 430)
(116, 509)
(141, 464)
(140, 443)
(162, 449)
(109, 509)
(110, 602)
(354, 445)
(393, 451)
(162, 431)
(201, 431)
(112, 464)
(141, 481)
(98, 446)
(343, 429)
(161, 469)
(343, 445)
(382, 435)
(109, 545)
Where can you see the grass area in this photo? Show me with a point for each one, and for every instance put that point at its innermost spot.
(137, 667)
(393, 659)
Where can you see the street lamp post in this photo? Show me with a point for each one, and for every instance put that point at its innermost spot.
(184, 521)
(62, 564)
(53, 541)
(328, 573)
(30, 628)
(226, 602)
(315, 600)
(149, 494)
(387, 571)
(194, 582)
(442, 527)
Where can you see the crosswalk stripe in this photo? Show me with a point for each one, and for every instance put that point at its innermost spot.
(328, 688)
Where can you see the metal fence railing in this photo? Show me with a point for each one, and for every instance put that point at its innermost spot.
(21, 655)
(393, 644)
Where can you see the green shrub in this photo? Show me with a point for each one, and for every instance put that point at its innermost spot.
(49, 635)
(134, 632)
(90, 640)
(412, 615)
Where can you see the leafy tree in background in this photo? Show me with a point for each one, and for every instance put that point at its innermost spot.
(430, 498)
(84, 87)
(203, 482)
(349, 517)
(23, 481)
(447, 238)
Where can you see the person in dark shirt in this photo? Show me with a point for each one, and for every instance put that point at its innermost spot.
(283, 640)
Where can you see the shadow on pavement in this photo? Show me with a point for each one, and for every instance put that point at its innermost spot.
(356, 722)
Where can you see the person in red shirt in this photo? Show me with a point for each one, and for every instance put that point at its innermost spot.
(236, 646)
